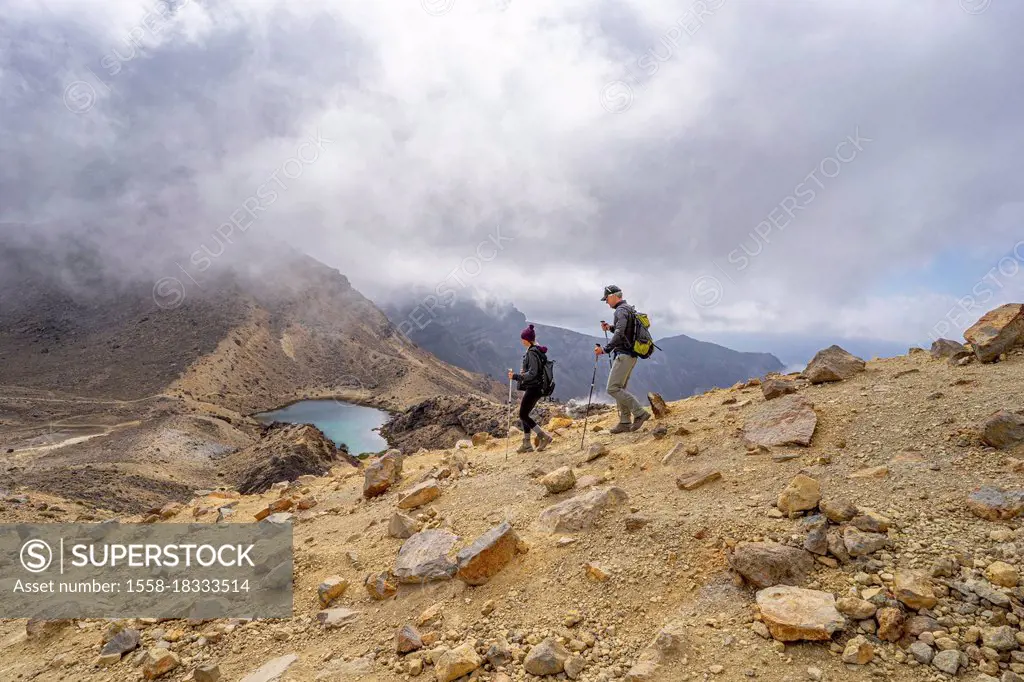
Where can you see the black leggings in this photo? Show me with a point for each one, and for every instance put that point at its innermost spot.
(530, 399)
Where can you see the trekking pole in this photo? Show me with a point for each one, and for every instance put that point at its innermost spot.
(508, 428)
(606, 343)
(586, 415)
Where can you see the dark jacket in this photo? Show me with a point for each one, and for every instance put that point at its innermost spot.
(621, 341)
(530, 375)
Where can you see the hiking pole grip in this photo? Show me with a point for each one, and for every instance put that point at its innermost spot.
(606, 338)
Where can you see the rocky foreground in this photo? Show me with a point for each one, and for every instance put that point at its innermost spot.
(857, 521)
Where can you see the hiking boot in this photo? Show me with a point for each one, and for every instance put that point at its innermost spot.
(543, 440)
(639, 420)
(525, 447)
(621, 427)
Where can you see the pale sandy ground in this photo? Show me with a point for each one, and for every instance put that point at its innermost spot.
(675, 568)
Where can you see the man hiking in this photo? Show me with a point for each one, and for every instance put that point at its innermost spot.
(531, 382)
(623, 361)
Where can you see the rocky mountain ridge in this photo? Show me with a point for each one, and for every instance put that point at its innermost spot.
(859, 521)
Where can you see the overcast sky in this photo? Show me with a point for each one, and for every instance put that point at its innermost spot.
(847, 167)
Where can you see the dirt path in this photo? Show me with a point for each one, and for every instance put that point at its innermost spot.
(77, 399)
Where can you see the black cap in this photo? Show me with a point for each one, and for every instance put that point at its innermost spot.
(610, 290)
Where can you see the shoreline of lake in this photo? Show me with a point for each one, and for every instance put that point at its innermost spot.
(345, 422)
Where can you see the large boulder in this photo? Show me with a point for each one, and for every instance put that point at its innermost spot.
(943, 349)
(793, 613)
(382, 473)
(283, 453)
(1002, 429)
(789, 420)
(421, 494)
(996, 504)
(776, 388)
(559, 480)
(764, 564)
(833, 364)
(487, 555)
(997, 331)
(424, 557)
(658, 406)
(582, 511)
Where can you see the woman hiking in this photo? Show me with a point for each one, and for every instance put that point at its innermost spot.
(530, 380)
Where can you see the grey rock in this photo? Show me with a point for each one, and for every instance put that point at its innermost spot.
(272, 670)
(424, 557)
(922, 652)
(944, 348)
(947, 661)
(816, 541)
(789, 420)
(776, 388)
(582, 511)
(765, 564)
(995, 504)
(403, 526)
(999, 638)
(858, 543)
(833, 364)
(124, 641)
(499, 654)
(989, 593)
(547, 658)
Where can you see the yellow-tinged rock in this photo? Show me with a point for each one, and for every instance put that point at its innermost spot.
(1002, 574)
(914, 589)
(794, 613)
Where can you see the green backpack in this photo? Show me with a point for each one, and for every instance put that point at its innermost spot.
(643, 343)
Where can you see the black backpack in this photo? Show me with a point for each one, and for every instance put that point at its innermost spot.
(547, 374)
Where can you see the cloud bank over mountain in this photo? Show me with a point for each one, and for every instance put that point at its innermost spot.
(847, 167)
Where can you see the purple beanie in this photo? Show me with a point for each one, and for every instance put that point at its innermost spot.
(529, 335)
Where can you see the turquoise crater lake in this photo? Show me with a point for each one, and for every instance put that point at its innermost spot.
(353, 425)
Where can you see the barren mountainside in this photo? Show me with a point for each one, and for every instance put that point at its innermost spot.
(248, 341)
(856, 522)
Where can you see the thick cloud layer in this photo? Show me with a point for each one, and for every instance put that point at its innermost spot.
(843, 167)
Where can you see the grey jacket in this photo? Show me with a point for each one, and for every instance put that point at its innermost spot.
(620, 342)
(529, 376)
